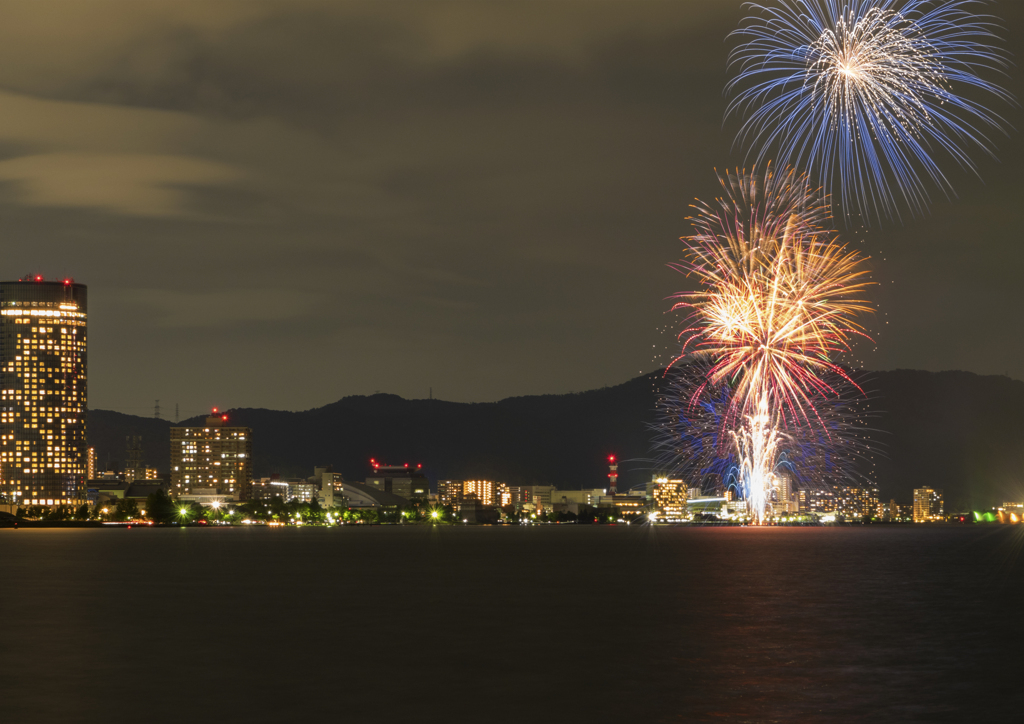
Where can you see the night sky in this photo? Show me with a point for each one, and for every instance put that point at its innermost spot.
(280, 204)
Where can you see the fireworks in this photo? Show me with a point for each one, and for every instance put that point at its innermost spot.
(779, 299)
(866, 93)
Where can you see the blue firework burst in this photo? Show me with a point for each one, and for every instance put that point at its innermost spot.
(871, 95)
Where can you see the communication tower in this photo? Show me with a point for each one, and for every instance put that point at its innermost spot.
(613, 475)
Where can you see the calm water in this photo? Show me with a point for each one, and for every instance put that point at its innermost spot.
(567, 623)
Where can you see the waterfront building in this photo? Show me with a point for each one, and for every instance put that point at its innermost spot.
(302, 490)
(401, 480)
(783, 498)
(816, 501)
(359, 496)
(215, 459)
(928, 505)
(539, 495)
(267, 488)
(856, 502)
(449, 492)
(670, 498)
(485, 492)
(90, 463)
(327, 482)
(590, 496)
(482, 490)
(629, 506)
(43, 375)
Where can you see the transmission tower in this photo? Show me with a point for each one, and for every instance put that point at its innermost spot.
(156, 410)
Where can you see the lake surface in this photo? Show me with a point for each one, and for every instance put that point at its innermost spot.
(549, 623)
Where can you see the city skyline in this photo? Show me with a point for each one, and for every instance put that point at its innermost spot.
(263, 199)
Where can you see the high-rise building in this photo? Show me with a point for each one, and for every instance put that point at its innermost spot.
(670, 499)
(783, 498)
(927, 505)
(214, 459)
(43, 363)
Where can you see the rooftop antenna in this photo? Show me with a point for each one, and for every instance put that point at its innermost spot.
(175, 412)
(156, 410)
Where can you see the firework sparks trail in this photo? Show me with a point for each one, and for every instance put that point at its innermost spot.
(868, 92)
(778, 300)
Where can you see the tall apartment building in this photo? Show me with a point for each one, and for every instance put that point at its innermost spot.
(43, 365)
(214, 459)
(927, 505)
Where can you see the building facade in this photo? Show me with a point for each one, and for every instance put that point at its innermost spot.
(928, 506)
(401, 480)
(214, 459)
(856, 502)
(43, 385)
(669, 499)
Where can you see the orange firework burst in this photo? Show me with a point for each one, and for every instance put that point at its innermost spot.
(779, 297)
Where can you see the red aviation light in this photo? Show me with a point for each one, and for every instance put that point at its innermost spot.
(38, 278)
(67, 282)
(419, 465)
(215, 411)
(407, 465)
(611, 458)
(224, 418)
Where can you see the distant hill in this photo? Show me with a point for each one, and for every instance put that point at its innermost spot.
(953, 430)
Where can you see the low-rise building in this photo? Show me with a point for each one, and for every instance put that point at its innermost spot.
(359, 495)
(629, 506)
(402, 480)
(267, 488)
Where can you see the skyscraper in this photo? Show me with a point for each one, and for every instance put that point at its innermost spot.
(43, 362)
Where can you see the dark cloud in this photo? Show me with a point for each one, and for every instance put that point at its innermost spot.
(281, 203)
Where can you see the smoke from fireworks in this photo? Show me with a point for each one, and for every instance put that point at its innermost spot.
(779, 299)
(868, 92)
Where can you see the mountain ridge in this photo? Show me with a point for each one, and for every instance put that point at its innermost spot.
(954, 430)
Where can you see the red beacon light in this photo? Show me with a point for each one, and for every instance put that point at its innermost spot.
(39, 278)
(419, 465)
(407, 465)
(224, 418)
(215, 411)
